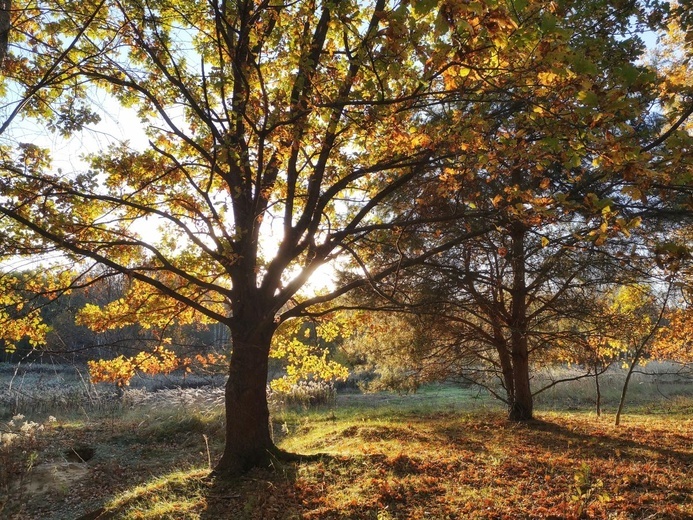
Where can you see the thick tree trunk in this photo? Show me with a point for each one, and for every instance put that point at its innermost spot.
(248, 437)
(521, 408)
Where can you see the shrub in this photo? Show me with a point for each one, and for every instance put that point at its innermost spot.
(400, 380)
(305, 393)
(20, 445)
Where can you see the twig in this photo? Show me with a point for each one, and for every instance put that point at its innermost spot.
(209, 456)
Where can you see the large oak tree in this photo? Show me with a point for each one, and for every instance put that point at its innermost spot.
(275, 130)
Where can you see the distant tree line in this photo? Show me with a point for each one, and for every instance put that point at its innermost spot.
(69, 342)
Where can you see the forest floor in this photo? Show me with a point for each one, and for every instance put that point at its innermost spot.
(443, 453)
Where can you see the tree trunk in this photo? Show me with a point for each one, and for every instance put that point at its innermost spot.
(624, 390)
(521, 407)
(5, 6)
(248, 437)
(599, 391)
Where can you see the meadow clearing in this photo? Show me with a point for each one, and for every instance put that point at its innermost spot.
(71, 450)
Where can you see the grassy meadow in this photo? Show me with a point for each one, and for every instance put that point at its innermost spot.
(70, 450)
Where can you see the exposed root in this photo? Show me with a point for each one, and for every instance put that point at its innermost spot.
(273, 459)
(286, 456)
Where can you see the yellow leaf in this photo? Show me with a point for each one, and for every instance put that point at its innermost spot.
(547, 78)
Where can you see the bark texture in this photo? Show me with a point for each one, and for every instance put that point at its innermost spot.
(5, 6)
(248, 436)
(521, 403)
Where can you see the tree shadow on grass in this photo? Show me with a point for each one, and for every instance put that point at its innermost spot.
(407, 465)
(602, 443)
(279, 492)
(261, 493)
(601, 440)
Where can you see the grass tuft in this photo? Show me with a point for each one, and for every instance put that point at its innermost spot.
(180, 494)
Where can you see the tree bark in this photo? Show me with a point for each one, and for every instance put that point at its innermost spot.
(624, 390)
(248, 438)
(599, 391)
(506, 364)
(521, 407)
(5, 25)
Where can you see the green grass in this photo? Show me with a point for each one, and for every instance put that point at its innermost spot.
(438, 463)
(180, 494)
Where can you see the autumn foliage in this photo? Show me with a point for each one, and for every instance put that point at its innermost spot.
(282, 137)
(675, 339)
(304, 348)
(160, 360)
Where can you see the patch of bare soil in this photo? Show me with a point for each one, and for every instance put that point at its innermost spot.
(53, 478)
